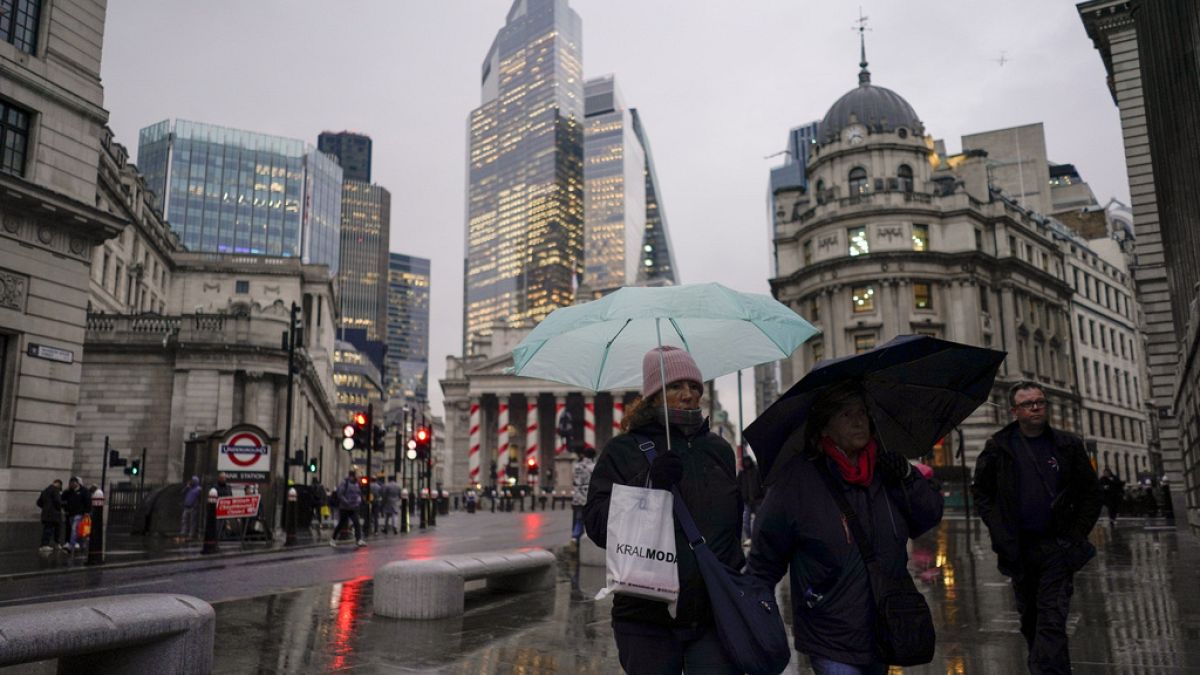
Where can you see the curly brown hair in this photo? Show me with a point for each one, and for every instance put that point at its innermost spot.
(641, 412)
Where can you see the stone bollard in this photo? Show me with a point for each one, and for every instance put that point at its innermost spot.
(210, 524)
(290, 518)
(405, 523)
(95, 554)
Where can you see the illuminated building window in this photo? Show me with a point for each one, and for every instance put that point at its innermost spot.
(862, 299)
(920, 237)
(858, 240)
(858, 181)
(864, 343)
(922, 295)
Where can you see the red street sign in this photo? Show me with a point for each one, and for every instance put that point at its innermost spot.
(238, 507)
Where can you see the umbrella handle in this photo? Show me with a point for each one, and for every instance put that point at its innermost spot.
(662, 377)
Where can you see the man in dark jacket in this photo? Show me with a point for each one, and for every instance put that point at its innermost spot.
(1112, 493)
(701, 465)
(1038, 494)
(751, 489)
(77, 502)
(50, 502)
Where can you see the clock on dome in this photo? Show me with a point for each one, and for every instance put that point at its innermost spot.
(856, 133)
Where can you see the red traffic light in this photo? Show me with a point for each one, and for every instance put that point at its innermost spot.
(422, 434)
(360, 420)
(363, 481)
(532, 462)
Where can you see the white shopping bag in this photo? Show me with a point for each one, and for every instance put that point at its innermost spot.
(640, 554)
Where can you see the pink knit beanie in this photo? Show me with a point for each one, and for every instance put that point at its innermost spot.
(677, 363)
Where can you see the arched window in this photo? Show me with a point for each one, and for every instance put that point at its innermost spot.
(906, 177)
(820, 186)
(858, 181)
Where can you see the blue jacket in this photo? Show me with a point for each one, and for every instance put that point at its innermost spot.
(800, 525)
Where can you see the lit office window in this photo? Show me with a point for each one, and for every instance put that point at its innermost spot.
(922, 295)
(920, 237)
(858, 181)
(858, 240)
(863, 299)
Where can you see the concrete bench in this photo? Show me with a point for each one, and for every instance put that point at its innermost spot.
(153, 633)
(435, 588)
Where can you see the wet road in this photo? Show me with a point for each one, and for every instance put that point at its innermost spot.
(1136, 609)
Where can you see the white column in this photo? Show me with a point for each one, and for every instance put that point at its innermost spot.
(531, 430)
(502, 440)
(560, 405)
(474, 443)
(618, 412)
(589, 421)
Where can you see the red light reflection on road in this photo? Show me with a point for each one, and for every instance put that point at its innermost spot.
(349, 606)
(532, 525)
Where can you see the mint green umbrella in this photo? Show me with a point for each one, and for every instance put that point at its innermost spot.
(599, 345)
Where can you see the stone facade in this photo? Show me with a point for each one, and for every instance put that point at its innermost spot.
(49, 225)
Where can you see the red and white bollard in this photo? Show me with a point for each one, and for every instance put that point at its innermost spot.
(95, 554)
(290, 531)
(210, 524)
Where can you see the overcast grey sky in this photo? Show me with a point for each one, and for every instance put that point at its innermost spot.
(718, 85)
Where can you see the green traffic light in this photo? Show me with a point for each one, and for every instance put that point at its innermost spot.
(312, 467)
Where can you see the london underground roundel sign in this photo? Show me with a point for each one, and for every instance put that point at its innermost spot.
(244, 450)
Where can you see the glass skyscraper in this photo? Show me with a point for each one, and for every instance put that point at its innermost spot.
(657, 266)
(524, 229)
(407, 330)
(614, 195)
(352, 150)
(231, 191)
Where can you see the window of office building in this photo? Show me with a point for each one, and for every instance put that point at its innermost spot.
(19, 23)
(14, 136)
(807, 247)
(920, 237)
(984, 292)
(864, 343)
(922, 295)
(905, 174)
(857, 236)
(978, 240)
(818, 350)
(863, 299)
(1087, 377)
(858, 181)
(241, 286)
(814, 309)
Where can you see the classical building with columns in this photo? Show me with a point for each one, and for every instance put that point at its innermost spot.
(496, 422)
(893, 237)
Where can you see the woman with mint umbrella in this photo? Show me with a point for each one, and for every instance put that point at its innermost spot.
(701, 464)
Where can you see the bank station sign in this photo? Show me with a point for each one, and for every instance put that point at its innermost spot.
(245, 456)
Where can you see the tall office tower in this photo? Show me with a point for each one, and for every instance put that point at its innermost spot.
(353, 152)
(614, 195)
(789, 177)
(407, 377)
(524, 228)
(658, 256)
(231, 191)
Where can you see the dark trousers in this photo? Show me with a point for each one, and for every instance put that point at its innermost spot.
(49, 533)
(1043, 594)
(1114, 507)
(352, 516)
(653, 650)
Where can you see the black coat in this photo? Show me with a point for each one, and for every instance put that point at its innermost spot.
(50, 501)
(800, 525)
(710, 491)
(77, 502)
(1073, 513)
(750, 486)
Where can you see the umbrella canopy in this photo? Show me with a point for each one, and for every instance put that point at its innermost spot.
(599, 345)
(917, 389)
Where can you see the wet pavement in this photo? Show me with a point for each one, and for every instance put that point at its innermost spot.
(1136, 610)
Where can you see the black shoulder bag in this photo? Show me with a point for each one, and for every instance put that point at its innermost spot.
(747, 616)
(903, 623)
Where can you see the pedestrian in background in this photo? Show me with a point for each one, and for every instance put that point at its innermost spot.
(1112, 493)
(77, 504)
(50, 502)
(801, 526)
(391, 505)
(349, 501)
(376, 503)
(650, 641)
(581, 477)
(1039, 497)
(189, 520)
(751, 489)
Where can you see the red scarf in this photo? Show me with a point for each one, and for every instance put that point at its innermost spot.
(854, 475)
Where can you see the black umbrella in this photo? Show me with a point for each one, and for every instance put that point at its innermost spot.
(917, 389)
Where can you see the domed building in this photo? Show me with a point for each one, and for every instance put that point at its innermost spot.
(892, 237)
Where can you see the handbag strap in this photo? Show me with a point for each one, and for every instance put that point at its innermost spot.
(681, 512)
(874, 573)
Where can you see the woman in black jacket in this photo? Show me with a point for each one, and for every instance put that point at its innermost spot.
(800, 525)
(701, 465)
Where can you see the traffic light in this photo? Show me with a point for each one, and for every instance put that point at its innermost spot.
(134, 468)
(348, 437)
(424, 439)
(356, 434)
(312, 466)
(531, 466)
(363, 480)
(115, 459)
(380, 440)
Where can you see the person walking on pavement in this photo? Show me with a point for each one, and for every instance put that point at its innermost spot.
(189, 521)
(751, 489)
(349, 501)
(1112, 492)
(50, 502)
(391, 505)
(650, 641)
(581, 476)
(376, 487)
(77, 503)
(1039, 497)
(801, 525)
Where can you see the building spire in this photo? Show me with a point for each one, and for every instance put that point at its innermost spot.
(864, 75)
